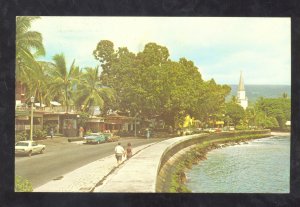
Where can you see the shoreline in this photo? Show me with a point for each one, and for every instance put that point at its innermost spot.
(281, 133)
(198, 153)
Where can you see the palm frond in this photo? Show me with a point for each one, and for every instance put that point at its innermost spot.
(60, 63)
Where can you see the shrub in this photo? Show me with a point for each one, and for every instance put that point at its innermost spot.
(21, 136)
(88, 132)
(22, 185)
(39, 134)
(47, 127)
(241, 127)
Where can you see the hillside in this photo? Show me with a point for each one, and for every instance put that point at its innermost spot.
(255, 91)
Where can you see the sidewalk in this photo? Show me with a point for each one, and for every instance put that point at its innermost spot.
(139, 173)
(86, 178)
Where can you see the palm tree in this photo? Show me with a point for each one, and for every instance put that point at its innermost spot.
(27, 43)
(90, 90)
(38, 82)
(63, 80)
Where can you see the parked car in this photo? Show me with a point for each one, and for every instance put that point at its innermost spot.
(228, 128)
(197, 130)
(187, 131)
(95, 138)
(209, 130)
(29, 147)
(218, 130)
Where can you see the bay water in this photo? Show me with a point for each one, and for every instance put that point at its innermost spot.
(261, 166)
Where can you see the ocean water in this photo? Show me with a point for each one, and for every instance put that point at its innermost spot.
(261, 166)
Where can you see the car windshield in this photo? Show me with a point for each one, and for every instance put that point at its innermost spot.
(22, 144)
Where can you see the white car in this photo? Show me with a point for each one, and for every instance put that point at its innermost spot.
(29, 147)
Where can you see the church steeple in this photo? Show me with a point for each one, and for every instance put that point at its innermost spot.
(241, 93)
(241, 83)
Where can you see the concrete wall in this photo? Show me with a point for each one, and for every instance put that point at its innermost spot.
(168, 159)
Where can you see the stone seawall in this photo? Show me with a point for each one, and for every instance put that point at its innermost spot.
(174, 154)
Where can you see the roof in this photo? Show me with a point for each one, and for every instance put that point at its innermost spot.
(95, 120)
(22, 113)
(55, 103)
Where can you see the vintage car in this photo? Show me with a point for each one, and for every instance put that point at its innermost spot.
(187, 131)
(209, 130)
(29, 147)
(95, 138)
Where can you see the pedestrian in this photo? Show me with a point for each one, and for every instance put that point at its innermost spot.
(51, 132)
(128, 151)
(119, 152)
(81, 130)
(148, 133)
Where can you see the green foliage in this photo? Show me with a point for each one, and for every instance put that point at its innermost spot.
(47, 127)
(22, 185)
(153, 85)
(29, 44)
(241, 127)
(39, 134)
(88, 132)
(273, 112)
(63, 80)
(90, 91)
(21, 136)
(83, 118)
(36, 135)
(235, 112)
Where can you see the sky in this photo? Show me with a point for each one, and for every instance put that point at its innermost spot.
(221, 48)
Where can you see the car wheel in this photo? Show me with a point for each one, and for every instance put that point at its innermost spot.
(42, 150)
(30, 153)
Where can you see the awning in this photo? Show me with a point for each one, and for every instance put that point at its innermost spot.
(39, 105)
(54, 103)
(22, 113)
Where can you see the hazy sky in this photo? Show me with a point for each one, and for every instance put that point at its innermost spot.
(219, 47)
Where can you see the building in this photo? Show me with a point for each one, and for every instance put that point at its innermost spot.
(242, 99)
(63, 122)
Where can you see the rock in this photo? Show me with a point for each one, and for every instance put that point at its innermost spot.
(182, 177)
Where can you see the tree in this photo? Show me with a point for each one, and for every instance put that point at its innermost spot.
(235, 112)
(91, 91)
(27, 42)
(63, 81)
(151, 84)
(38, 82)
(105, 53)
(211, 99)
(278, 108)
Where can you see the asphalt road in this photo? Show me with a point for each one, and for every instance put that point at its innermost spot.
(61, 157)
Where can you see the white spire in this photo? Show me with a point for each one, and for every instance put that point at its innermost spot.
(241, 93)
(241, 83)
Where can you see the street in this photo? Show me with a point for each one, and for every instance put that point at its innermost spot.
(61, 157)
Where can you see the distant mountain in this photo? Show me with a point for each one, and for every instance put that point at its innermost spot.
(253, 92)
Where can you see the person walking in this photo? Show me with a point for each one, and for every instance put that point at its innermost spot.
(119, 152)
(128, 151)
(148, 133)
(51, 132)
(81, 130)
